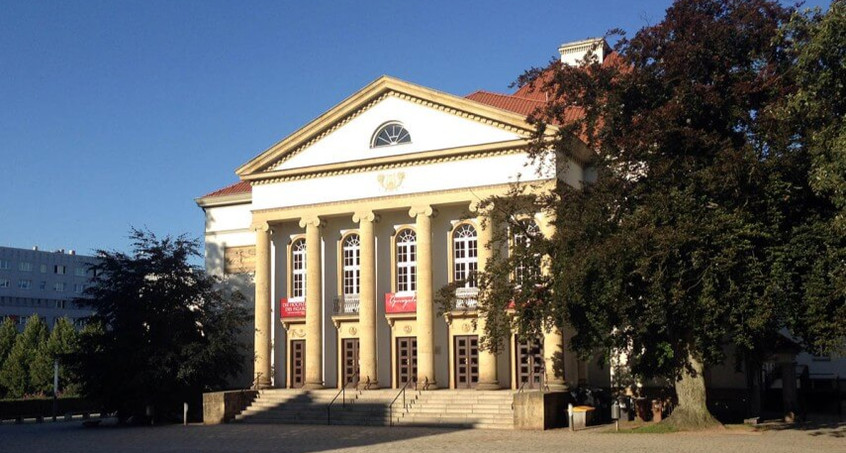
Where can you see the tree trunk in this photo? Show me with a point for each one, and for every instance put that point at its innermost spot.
(691, 412)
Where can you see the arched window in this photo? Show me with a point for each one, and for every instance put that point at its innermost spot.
(390, 134)
(352, 265)
(527, 265)
(465, 255)
(298, 269)
(406, 260)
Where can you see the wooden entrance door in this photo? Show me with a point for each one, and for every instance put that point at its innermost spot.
(466, 361)
(530, 364)
(297, 363)
(349, 351)
(406, 360)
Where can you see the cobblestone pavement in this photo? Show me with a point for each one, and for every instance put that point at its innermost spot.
(71, 437)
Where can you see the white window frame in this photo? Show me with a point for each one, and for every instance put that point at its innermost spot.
(4, 283)
(298, 269)
(392, 135)
(25, 284)
(465, 254)
(25, 266)
(406, 260)
(351, 265)
(5, 264)
(519, 237)
(59, 287)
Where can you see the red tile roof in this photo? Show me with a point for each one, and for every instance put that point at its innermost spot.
(513, 103)
(232, 189)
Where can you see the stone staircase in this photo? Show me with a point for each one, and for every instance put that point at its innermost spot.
(444, 408)
(461, 409)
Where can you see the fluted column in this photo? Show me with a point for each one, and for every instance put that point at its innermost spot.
(553, 342)
(487, 360)
(367, 300)
(314, 305)
(425, 301)
(262, 351)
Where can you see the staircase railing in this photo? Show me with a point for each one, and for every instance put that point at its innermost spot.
(404, 401)
(343, 394)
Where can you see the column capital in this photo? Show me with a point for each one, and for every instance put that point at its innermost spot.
(481, 207)
(367, 215)
(310, 220)
(260, 226)
(423, 209)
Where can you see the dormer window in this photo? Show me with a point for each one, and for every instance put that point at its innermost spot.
(390, 134)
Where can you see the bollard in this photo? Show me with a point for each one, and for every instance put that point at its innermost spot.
(184, 414)
(570, 417)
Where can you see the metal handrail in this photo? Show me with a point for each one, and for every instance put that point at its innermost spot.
(341, 392)
(404, 403)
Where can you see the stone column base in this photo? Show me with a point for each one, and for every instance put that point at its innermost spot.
(558, 386)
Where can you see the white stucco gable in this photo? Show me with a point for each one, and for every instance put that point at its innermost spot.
(430, 129)
(436, 121)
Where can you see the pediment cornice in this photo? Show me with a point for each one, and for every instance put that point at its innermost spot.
(264, 165)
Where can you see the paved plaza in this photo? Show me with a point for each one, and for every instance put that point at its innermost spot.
(69, 437)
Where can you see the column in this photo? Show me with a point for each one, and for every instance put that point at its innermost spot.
(487, 360)
(555, 358)
(425, 301)
(261, 376)
(368, 374)
(314, 305)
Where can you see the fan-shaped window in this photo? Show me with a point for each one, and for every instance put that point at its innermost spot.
(390, 134)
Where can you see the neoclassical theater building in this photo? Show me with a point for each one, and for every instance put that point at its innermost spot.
(348, 227)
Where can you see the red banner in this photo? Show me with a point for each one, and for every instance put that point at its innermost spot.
(395, 303)
(291, 308)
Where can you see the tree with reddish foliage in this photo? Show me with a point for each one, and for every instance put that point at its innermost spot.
(679, 242)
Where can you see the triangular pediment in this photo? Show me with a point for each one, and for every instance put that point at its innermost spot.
(343, 135)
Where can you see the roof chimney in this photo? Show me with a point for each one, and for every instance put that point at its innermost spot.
(35, 248)
(573, 53)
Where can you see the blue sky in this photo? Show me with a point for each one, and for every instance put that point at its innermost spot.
(116, 114)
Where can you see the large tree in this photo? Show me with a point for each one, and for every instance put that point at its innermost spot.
(163, 331)
(678, 243)
(16, 372)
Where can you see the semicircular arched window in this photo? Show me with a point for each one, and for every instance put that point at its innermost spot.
(390, 134)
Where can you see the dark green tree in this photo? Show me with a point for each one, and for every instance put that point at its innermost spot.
(61, 343)
(163, 330)
(8, 334)
(812, 263)
(679, 243)
(15, 375)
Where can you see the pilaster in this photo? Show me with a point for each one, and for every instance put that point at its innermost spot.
(425, 302)
(314, 304)
(262, 351)
(368, 374)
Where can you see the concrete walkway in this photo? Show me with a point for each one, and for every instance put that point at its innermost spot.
(70, 437)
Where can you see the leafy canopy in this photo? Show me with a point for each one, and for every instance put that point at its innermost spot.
(163, 330)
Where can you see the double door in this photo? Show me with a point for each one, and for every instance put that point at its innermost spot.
(530, 363)
(466, 361)
(297, 363)
(350, 354)
(406, 360)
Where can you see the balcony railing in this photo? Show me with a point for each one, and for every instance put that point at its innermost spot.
(347, 304)
(466, 298)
